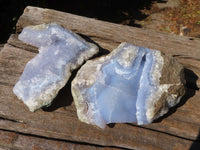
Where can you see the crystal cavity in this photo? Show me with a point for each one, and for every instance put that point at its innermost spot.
(131, 84)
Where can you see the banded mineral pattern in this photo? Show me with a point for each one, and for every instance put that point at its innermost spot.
(131, 84)
(60, 52)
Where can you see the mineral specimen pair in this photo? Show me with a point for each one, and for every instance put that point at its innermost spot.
(131, 84)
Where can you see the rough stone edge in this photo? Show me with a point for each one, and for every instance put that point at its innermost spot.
(160, 106)
(41, 101)
(86, 115)
(174, 90)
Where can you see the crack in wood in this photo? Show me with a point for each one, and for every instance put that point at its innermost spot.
(13, 41)
(23, 48)
(186, 57)
(143, 127)
(179, 130)
(85, 143)
(12, 120)
(7, 84)
(59, 140)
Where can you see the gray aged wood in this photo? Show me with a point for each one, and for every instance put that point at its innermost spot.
(109, 35)
(12, 140)
(177, 130)
(1, 46)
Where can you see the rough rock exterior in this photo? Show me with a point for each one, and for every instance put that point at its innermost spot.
(60, 52)
(131, 84)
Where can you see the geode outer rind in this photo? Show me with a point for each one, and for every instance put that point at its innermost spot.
(131, 84)
(60, 52)
(173, 76)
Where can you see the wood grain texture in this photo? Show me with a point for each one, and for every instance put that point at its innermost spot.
(1, 46)
(179, 129)
(17, 141)
(110, 35)
(63, 124)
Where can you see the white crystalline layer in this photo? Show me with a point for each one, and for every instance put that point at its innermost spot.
(60, 52)
(121, 87)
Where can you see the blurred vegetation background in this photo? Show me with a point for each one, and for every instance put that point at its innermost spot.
(109, 10)
(127, 12)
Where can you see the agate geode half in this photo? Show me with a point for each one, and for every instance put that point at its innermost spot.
(131, 84)
(60, 52)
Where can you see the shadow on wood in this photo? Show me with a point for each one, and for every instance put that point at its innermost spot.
(114, 11)
(196, 145)
(179, 131)
(64, 97)
(111, 125)
(191, 79)
(101, 52)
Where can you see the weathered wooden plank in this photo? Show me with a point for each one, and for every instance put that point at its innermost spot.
(10, 62)
(191, 78)
(64, 124)
(14, 140)
(109, 35)
(121, 135)
(14, 41)
(112, 34)
(1, 46)
(177, 131)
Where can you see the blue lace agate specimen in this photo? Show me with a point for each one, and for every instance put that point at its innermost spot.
(60, 52)
(131, 84)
